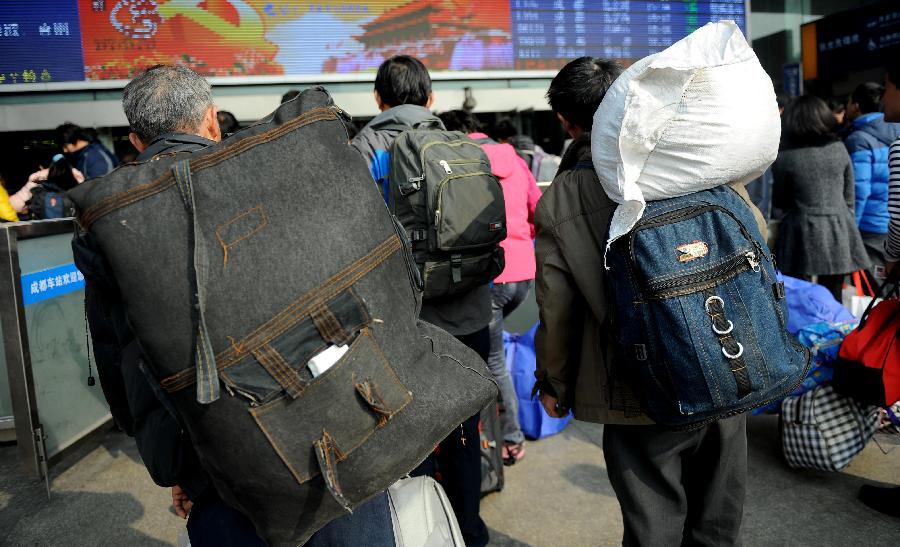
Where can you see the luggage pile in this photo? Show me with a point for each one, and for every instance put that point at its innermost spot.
(855, 390)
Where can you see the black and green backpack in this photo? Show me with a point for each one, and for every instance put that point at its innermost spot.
(443, 193)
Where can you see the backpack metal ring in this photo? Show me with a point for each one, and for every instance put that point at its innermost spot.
(712, 299)
(726, 331)
(739, 353)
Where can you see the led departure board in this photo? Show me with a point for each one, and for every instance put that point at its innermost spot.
(66, 40)
(548, 33)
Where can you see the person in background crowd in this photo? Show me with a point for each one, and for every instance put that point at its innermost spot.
(814, 186)
(892, 115)
(543, 165)
(7, 212)
(48, 198)
(838, 108)
(20, 199)
(62, 175)
(760, 189)
(228, 124)
(868, 142)
(674, 487)
(886, 499)
(84, 151)
(520, 194)
(170, 109)
(403, 95)
(506, 133)
(291, 93)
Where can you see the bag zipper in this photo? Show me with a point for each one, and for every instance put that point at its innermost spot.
(429, 145)
(694, 211)
(685, 213)
(744, 262)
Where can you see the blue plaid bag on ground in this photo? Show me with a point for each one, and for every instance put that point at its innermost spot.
(824, 430)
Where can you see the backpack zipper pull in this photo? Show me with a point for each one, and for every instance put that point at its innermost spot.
(446, 166)
(753, 261)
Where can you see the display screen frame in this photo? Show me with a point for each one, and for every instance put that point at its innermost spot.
(322, 78)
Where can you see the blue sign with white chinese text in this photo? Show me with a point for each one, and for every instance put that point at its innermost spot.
(50, 283)
(40, 42)
(791, 74)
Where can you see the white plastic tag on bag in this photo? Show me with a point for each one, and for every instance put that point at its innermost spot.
(698, 115)
(325, 359)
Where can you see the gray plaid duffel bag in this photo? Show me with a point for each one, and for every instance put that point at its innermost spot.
(240, 262)
(824, 430)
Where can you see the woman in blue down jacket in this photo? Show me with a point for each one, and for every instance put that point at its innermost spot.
(868, 143)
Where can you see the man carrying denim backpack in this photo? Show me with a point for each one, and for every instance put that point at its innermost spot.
(674, 487)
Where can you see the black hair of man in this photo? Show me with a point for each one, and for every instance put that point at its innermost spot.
(403, 80)
(837, 104)
(69, 133)
(868, 96)
(291, 93)
(228, 124)
(505, 130)
(576, 92)
(808, 121)
(460, 120)
(60, 174)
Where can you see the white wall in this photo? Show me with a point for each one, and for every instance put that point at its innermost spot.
(249, 107)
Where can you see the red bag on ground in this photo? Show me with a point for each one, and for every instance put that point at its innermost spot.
(868, 365)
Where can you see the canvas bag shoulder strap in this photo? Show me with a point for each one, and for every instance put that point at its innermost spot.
(204, 356)
(890, 287)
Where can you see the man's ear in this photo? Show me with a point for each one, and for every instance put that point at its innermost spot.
(381, 106)
(136, 142)
(210, 128)
(430, 100)
(571, 129)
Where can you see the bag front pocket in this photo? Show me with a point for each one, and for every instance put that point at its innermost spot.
(279, 365)
(460, 273)
(335, 414)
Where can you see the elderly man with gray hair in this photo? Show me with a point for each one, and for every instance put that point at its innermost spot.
(170, 109)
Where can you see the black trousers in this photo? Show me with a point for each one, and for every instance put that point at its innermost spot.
(458, 460)
(679, 487)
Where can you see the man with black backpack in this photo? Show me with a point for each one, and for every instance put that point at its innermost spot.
(439, 186)
(674, 487)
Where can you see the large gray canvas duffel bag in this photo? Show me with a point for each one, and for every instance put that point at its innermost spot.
(240, 262)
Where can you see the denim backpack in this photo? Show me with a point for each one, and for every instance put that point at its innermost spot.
(701, 319)
(443, 192)
(232, 286)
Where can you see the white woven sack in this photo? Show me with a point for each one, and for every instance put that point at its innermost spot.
(698, 115)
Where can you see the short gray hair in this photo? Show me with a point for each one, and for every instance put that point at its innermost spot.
(166, 99)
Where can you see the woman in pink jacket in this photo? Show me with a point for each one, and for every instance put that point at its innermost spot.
(521, 194)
